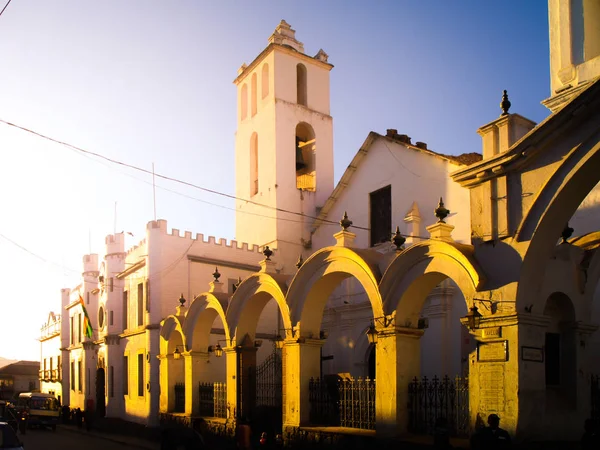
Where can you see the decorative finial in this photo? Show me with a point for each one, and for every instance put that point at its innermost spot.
(566, 233)
(182, 299)
(397, 239)
(300, 261)
(345, 222)
(216, 274)
(267, 252)
(505, 103)
(441, 212)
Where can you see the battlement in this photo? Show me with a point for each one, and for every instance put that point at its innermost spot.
(115, 243)
(90, 263)
(201, 238)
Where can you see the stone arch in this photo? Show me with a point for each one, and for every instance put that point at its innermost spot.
(414, 273)
(248, 302)
(556, 203)
(320, 275)
(205, 308)
(362, 350)
(171, 333)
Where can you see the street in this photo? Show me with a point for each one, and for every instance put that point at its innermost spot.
(70, 439)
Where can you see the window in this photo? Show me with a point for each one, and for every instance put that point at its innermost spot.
(552, 359)
(125, 312)
(254, 88)
(381, 215)
(79, 376)
(110, 284)
(126, 375)
(32, 385)
(110, 318)
(140, 304)
(265, 80)
(140, 374)
(148, 295)
(301, 84)
(111, 381)
(72, 331)
(254, 164)
(87, 298)
(244, 101)
(79, 327)
(72, 375)
(59, 368)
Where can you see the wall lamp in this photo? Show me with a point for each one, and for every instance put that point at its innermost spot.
(384, 322)
(473, 318)
(216, 349)
(177, 352)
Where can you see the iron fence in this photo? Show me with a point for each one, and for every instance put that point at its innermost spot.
(213, 399)
(446, 398)
(346, 403)
(595, 398)
(179, 397)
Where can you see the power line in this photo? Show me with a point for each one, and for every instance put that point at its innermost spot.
(5, 6)
(165, 177)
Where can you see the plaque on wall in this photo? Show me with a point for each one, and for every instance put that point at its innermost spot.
(492, 351)
(534, 354)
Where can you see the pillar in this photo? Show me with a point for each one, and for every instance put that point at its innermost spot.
(301, 363)
(151, 373)
(231, 372)
(398, 361)
(196, 368)
(246, 380)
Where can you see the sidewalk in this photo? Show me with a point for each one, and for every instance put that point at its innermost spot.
(130, 441)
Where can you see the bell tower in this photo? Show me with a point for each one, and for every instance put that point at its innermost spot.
(284, 145)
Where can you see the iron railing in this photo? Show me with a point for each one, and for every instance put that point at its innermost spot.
(433, 399)
(346, 403)
(179, 397)
(213, 399)
(595, 398)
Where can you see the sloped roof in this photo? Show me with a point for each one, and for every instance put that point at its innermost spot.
(402, 141)
(21, 368)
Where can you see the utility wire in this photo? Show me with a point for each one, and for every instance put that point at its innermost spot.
(5, 6)
(165, 177)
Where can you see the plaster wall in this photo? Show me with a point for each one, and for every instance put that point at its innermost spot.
(414, 177)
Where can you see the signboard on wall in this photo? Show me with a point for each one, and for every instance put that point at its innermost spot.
(496, 351)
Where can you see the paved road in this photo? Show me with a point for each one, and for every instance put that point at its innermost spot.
(63, 439)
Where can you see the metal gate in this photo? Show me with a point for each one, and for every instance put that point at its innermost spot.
(446, 398)
(269, 394)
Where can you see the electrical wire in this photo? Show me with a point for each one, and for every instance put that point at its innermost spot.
(165, 177)
(5, 6)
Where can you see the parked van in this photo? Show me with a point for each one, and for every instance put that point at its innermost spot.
(37, 408)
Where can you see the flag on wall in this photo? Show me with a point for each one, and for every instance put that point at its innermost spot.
(87, 324)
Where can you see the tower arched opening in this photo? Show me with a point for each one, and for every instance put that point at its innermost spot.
(306, 148)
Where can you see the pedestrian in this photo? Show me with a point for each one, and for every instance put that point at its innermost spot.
(591, 438)
(89, 418)
(492, 436)
(79, 418)
(244, 434)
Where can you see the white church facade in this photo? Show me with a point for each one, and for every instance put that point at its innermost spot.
(325, 300)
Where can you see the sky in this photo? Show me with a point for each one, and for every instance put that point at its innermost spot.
(150, 82)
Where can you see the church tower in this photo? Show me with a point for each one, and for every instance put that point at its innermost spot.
(284, 146)
(574, 48)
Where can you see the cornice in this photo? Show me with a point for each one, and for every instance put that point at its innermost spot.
(134, 268)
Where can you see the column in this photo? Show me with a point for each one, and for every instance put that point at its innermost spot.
(301, 363)
(196, 368)
(231, 372)
(164, 361)
(398, 361)
(152, 375)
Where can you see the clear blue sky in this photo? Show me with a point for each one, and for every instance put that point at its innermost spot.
(146, 81)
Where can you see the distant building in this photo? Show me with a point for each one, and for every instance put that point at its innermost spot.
(51, 363)
(18, 377)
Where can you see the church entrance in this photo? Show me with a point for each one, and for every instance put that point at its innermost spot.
(100, 393)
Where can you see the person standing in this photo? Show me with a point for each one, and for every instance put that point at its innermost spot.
(492, 436)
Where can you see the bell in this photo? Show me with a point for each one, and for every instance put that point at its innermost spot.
(300, 164)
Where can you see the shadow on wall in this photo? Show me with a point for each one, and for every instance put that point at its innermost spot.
(488, 254)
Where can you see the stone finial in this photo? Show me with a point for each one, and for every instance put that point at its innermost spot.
(397, 239)
(182, 300)
(322, 56)
(216, 274)
(300, 261)
(567, 232)
(505, 104)
(267, 252)
(345, 222)
(441, 212)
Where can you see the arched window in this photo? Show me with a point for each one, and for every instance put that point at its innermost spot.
(305, 157)
(253, 94)
(265, 80)
(301, 84)
(244, 105)
(254, 164)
